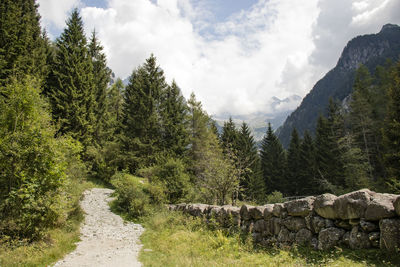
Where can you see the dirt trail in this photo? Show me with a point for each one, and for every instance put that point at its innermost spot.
(105, 239)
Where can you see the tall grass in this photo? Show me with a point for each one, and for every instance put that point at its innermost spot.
(173, 239)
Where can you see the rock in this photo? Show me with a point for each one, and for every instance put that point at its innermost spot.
(279, 210)
(260, 226)
(354, 222)
(317, 224)
(272, 226)
(197, 210)
(345, 239)
(358, 239)
(294, 223)
(256, 213)
(181, 207)
(368, 226)
(374, 238)
(380, 207)
(300, 207)
(285, 236)
(352, 205)
(329, 238)
(230, 215)
(323, 206)
(396, 205)
(268, 211)
(303, 237)
(171, 207)
(329, 223)
(244, 212)
(257, 237)
(343, 224)
(390, 234)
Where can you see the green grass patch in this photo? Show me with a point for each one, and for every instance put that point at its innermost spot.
(57, 242)
(173, 239)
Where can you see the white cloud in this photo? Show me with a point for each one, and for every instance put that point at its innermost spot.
(55, 12)
(275, 48)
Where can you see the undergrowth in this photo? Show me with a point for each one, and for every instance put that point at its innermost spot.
(173, 239)
(56, 243)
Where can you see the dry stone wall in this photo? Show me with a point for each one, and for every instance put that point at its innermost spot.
(360, 219)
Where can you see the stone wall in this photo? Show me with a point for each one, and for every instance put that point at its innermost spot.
(360, 219)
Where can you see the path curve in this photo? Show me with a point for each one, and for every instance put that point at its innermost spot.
(106, 240)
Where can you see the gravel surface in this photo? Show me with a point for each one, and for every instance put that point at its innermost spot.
(106, 240)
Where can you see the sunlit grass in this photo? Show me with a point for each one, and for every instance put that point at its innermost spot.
(172, 239)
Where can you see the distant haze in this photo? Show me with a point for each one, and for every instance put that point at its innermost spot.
(235, 55)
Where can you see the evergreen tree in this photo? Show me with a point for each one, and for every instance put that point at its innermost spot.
(249, 164)
(114, 103)
(391, 132)
(293, 166)
(141, 125)
(229, 136)
(101, 79)
(273, 160)
(307, 172)
(22, 48)
(71, 85)
(173, 111)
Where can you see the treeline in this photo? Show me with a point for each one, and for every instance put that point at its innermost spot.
(61, 121)
(356, 146)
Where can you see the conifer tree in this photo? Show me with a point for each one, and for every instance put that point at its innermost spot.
(22, 48)
(273, 160)
(114, 103)
(71, 85)
(101, 79)
(293, 166)
(391, 132)
(229, 136)
(141, 125)
(173, 111)
(307, 172)
(248, 161)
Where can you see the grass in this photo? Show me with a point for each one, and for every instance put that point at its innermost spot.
(173, 239)
(57, 242)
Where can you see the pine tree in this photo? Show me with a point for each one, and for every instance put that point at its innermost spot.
(141, 124)
(249, 164)
(229, 136)
(71, 85)
(273, 160)
(114, 103)
(101, 79)
(173, 110)
(391, 132)
(293, 166)
(307, 172)
(22, 48)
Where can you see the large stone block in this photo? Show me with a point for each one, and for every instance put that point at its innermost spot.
(396, 205)
(329, 238)
(390, 234)
(268, 211)
(323, 206)
(300, 207)
(256, 213)
(279, 210)
(352, 205)
(359, 239)
(244, 212)
(380, 207)
(294, 223)
(303, 237)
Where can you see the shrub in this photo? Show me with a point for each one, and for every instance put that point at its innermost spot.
(135, 195)
(31, 175)
(275, 197)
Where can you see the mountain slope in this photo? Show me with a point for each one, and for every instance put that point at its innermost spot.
(371, 50)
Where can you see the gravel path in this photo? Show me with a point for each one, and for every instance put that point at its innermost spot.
(105, 239)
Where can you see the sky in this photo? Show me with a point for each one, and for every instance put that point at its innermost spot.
(235, 55)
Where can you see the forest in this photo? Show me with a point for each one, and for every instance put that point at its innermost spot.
(63, 120)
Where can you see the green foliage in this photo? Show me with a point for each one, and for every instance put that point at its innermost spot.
(71, 85)
(22, 47)
(171, 172)
(273, 162)
(293, 166)
(135, 196)
(31, 174)
(275, 197)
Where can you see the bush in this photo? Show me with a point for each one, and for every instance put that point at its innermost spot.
(31, 176)
(171, 173)
(275, 197)
(136, 196)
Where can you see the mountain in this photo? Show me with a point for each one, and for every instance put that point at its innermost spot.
(371, 50)
(258, 122)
